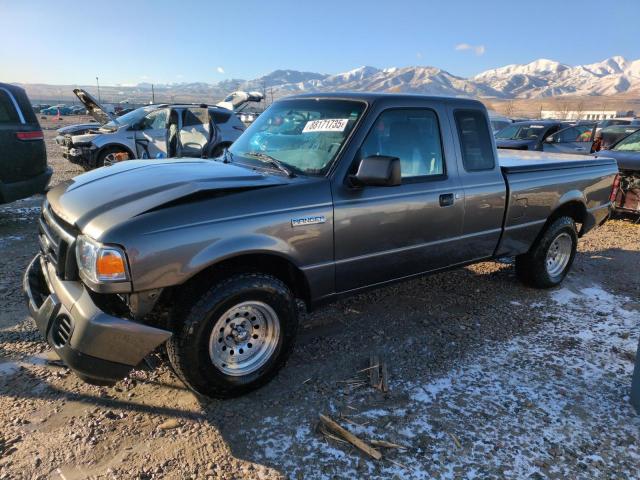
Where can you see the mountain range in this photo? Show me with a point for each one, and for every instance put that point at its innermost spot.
(539, 79)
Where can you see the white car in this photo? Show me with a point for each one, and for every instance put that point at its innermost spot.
(154, 131)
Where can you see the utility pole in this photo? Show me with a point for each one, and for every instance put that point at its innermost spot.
(98, 84)
(153, 94)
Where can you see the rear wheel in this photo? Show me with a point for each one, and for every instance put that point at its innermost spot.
(548, 261)
(235, 337)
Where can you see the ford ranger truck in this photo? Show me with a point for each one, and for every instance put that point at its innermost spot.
(323, 196)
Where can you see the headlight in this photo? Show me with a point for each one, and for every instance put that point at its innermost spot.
(100, 263)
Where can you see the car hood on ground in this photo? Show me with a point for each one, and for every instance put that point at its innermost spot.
(516, 144)
(626, 160)
(96, 110)
(105, 197)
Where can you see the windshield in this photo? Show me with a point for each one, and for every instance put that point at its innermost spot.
(629, 144)
(304, 135)
(130, 118)
(521, 132)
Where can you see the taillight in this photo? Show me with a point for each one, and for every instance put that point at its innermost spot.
(614, 188)
(36, 135)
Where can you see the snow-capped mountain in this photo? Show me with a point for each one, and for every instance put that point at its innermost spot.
(540, 78)
(543, 78)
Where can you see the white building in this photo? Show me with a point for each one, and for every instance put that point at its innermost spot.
(584, 114)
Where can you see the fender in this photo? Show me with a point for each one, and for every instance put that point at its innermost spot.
(227, 248)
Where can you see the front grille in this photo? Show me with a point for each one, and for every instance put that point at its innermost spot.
(57, 243)
(61, 331)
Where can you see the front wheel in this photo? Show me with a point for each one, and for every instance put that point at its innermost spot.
(236, 337)
(548, 261)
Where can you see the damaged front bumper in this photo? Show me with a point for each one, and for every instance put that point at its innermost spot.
(99, 347)
(84, 156)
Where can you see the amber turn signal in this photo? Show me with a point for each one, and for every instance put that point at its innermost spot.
(110, 265)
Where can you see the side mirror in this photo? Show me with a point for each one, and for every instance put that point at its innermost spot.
(549, 139)
(378, 170)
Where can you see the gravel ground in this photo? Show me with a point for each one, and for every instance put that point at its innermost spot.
(488, 379)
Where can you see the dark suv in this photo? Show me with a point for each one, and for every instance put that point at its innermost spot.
(23, 157)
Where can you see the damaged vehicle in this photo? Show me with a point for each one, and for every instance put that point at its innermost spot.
(528, 135)
(324, 196)
(154, 131)
(627, 184)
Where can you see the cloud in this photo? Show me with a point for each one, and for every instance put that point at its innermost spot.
(478, 49)
(220, 69)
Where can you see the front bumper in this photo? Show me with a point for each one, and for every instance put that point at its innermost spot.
(10, 192)
(82, 156)
(99, 347)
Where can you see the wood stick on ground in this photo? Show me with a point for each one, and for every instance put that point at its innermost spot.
(385, 377)
(350, 437)
(374, 373)
(399, 464)
(455, 439)
(385, 444)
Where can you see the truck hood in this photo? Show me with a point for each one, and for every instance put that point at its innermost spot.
(103, 198)
(517, 144)
(626, 160)
(96, 110)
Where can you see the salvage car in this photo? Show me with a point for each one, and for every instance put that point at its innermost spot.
(607, 137)
(324, 196)
(577, 139)
(23, 157)
(153, 131)
(528, 135)
(627, 154)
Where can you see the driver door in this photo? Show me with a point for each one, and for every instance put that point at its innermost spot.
(151, 138)
(576, 140)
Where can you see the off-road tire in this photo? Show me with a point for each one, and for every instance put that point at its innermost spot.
(193, 322)
(531, 267)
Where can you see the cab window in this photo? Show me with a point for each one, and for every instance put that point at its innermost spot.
(411, 135)
(475, 142)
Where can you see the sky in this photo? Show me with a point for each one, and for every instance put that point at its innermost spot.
(161, 41)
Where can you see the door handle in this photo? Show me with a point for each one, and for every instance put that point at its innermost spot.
(446, 199)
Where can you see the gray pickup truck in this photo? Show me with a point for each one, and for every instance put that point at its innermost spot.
(323, 196)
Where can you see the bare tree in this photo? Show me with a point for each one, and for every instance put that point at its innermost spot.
(510, 109)
(579, 109)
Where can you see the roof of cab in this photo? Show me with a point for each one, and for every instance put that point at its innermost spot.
(371, 97)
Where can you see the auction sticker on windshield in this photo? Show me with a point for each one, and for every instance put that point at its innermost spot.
(326, 125)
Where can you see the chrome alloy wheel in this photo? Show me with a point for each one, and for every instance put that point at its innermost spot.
(244, 338)
(559, 254)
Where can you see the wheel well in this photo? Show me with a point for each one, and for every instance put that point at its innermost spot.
(573, 209)
(115, 145)
(275, 265)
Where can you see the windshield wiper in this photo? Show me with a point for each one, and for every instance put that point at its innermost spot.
(263, 157)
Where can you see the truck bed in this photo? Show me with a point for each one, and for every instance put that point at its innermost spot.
(538, 182)
(528, 161)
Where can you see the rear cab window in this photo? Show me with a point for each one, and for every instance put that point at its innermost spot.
(475, 140)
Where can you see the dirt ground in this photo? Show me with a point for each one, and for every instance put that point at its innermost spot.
(488, 379)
